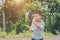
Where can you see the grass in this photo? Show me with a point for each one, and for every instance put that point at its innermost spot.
(3, 34)
(48, 34)
(28, 34)
(23, 34)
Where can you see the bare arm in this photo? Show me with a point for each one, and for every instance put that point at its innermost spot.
(37, 25)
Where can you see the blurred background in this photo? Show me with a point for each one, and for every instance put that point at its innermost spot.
(16, 17)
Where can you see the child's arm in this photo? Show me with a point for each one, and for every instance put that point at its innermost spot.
(38, 25)
(32, 28)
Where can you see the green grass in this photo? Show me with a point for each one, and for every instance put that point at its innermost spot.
(25, 34)
(28, 34)
(22, 34)
(3, 34)
(48, 34)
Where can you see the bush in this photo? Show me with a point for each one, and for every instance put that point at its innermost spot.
(25, 34)
(12, 34)
(3, 34)
(48, 34)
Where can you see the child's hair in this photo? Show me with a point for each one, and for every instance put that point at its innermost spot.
(38, 12)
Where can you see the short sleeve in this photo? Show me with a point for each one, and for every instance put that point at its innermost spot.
(41, 25)
(32, 27)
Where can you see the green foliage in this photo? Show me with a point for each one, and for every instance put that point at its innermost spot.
(48, 34)
(12, 34)
(3, 34)
(26, 34)
(16, 21)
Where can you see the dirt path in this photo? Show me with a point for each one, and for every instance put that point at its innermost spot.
(46, 38)
(53, 38)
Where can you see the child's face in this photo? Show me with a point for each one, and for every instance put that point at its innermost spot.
(37, 17)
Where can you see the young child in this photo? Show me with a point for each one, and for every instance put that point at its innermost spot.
(37, 26)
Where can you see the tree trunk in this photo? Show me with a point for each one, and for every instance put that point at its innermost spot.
(4, 26)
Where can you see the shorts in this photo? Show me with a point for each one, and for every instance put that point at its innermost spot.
(36, 39)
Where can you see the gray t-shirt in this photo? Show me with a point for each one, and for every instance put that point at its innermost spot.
(38, 33)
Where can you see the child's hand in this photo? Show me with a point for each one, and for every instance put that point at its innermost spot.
(34, 21)
(31, 30)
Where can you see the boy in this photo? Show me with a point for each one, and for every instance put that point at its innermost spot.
(37, 26)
